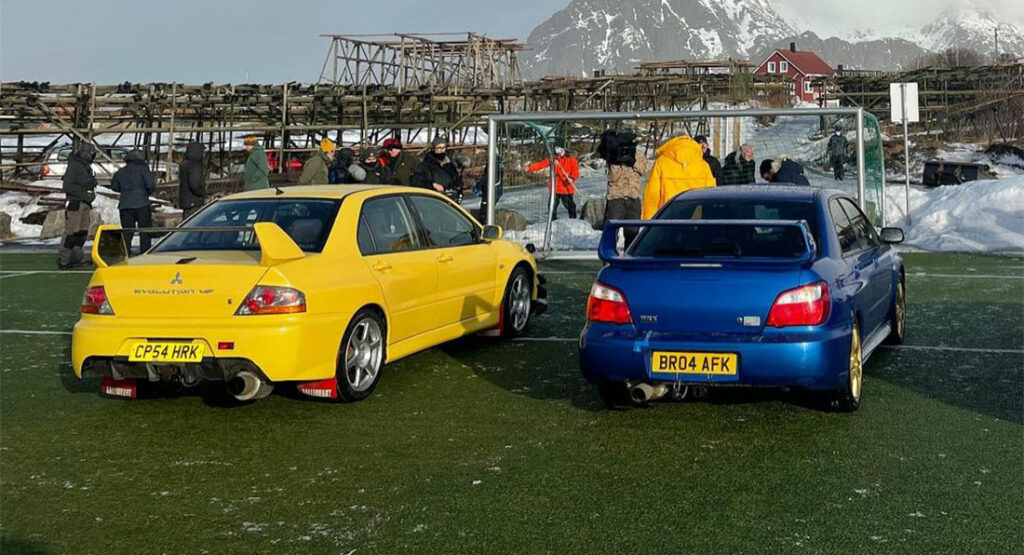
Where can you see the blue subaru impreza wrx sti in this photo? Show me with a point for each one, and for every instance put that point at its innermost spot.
(776, 286)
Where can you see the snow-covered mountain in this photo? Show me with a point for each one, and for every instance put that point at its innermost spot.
(616, 35)
(970, 27)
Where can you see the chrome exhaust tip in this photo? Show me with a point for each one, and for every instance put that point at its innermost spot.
(247, 386)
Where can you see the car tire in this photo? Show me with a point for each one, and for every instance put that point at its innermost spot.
(361, 356)
(613, 394)
(516, 305)
(898, 317)
(847, 398)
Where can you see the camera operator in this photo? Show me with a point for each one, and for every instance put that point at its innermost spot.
(626, 168)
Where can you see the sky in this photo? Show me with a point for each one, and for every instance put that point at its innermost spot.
(269, 41)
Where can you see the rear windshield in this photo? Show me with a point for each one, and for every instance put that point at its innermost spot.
(728, 241)
(307, 221)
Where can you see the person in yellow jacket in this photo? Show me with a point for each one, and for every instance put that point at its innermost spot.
(679, 167)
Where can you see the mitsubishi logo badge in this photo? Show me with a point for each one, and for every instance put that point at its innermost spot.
(177, 279)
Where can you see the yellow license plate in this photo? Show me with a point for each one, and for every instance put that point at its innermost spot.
(157, 351)
(713, 364)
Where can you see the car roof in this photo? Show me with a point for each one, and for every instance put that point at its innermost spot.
(795, 193)
(322, 191)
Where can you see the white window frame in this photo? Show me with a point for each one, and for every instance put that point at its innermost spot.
(808, 87)
(771, 67)
(783, 67)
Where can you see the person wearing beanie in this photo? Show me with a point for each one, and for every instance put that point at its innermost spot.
(836, 151)
(713, 163)
(316, 170)
(399, 163)
(567, 171)
(438, 171)
(79, 186)
(367, 169)
(257, 171)
(338, 172)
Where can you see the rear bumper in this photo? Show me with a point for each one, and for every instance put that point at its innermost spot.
(281, 348)
(809, 358)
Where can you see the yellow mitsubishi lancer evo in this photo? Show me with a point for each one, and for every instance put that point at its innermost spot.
(319, 286)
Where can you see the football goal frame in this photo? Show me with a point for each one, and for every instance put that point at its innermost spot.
(533, 121)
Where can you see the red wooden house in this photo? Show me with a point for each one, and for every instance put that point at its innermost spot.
(801, 68)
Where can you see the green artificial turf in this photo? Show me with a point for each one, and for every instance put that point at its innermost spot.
(482, 446)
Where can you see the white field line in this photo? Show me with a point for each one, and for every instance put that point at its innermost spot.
(33, 332)
(576, 339)
(895, 347)
(16, 273)
(915, 275)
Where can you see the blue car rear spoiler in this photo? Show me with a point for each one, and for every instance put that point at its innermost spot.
(608, 252)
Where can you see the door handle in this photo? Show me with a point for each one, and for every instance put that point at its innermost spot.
(445, 258)
(382, 266)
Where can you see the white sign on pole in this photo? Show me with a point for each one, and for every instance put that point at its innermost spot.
(896, 103)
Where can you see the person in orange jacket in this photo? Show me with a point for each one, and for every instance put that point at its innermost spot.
(679, 167)
(567, 171)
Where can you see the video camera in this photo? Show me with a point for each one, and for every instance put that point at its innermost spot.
(617, 148)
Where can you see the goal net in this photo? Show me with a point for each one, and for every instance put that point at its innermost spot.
(530, 212)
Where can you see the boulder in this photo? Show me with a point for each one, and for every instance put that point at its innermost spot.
(510, 220)
(166, 219)
(593, 211)
(5, 225)
(53, 226)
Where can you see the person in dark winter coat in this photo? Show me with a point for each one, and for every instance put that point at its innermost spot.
(338, 172)
(480, 188)
(79, 185)
(399, 163)
(713, 163)
(372, 173)
(437, 171)
(739, 167)
(136, 183)
(783, 170)
(836, 151)
(192, 180)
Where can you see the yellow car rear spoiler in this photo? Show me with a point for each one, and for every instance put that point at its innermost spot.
(276, 247)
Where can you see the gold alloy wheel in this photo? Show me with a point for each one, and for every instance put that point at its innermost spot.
(901, 311)
(856, 365)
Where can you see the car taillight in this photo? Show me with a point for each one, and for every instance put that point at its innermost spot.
(272, 300)
(807, 305)
(44, 171)
(95, 301)
(607, 304)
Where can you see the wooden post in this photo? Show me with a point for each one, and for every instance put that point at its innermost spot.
(170, 137)
(284, 132)
(92, 107)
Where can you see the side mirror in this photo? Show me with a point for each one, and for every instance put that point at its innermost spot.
(892, 235)
(493, 232)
